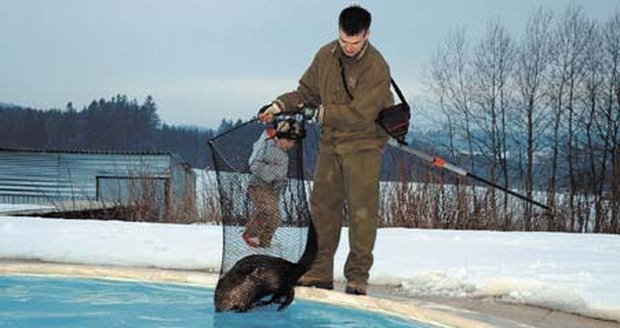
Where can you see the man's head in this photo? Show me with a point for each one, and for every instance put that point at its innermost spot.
(353, 32)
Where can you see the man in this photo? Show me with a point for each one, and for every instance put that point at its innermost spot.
(351, 81)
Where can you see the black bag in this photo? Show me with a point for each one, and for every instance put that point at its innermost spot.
(395, 119)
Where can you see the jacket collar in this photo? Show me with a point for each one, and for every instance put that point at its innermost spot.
(337, 51)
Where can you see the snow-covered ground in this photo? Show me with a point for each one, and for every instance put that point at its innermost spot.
(579, 273)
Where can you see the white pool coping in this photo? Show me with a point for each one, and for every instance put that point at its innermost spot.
(423, 313)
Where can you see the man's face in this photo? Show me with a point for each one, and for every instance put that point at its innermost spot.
(351, 45)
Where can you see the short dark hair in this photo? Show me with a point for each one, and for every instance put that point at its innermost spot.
(354, 19)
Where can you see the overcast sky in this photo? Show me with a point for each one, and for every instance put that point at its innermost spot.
(206, 60)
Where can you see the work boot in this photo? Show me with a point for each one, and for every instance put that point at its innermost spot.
(307, 281)
(356, 288)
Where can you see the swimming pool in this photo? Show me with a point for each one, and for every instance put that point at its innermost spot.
(32, 301)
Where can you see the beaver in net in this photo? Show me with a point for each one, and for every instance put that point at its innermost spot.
(260, 280)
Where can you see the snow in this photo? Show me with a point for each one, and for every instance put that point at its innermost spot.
(578, 273)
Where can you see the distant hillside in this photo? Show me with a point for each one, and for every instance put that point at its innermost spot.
(7, 105)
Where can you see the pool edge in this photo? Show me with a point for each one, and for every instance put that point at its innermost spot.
(427, 312)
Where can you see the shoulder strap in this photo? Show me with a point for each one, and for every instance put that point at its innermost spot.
(398, 92)
(344, 80)
(346, 86)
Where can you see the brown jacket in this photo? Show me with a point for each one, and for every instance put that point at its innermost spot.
(348, 124)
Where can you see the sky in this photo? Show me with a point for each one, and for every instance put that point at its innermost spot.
(203, 61)
(578, 273)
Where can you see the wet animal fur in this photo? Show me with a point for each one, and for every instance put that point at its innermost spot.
(259, 280)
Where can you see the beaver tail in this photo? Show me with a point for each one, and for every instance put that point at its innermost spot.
(307, 258)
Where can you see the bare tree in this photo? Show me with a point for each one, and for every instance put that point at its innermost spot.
(531, 75)
(450, 78)
(590, 181)
(609, 128)
(493, 62)
(571, 40)
(451, 83)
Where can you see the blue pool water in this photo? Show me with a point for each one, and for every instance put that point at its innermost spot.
(63, 302)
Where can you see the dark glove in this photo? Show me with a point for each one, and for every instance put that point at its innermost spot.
(312, 112)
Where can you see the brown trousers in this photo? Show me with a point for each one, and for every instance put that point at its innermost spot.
(266, 217)
(351, 180)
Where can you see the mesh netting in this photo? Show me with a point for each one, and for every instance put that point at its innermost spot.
(262, 191)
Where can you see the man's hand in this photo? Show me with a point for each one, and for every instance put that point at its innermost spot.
(267, 112)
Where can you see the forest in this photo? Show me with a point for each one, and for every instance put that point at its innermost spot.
(541, 111)
(118, 123)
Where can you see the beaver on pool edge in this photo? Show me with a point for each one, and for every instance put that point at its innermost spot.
(255, 277)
